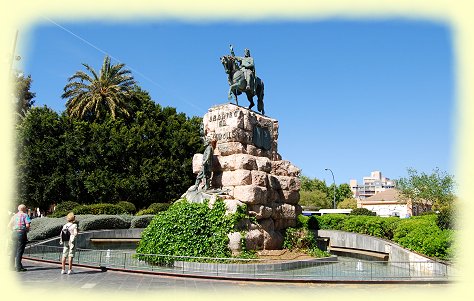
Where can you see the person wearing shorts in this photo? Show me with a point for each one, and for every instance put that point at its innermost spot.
(69, 246)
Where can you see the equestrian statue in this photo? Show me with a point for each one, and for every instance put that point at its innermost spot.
(242, 78)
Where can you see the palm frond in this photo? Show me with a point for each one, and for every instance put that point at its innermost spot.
(94, 94)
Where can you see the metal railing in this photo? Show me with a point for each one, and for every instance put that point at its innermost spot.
(311, 270)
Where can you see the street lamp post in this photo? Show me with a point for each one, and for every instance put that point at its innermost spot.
(334, 198)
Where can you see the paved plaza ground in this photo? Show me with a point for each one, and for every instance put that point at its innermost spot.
(42, 277)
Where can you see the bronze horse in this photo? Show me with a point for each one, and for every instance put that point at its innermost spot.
(238, 83)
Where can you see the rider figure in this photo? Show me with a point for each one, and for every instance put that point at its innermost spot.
(248, 68)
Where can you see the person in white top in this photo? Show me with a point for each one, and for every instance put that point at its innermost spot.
(69, 245)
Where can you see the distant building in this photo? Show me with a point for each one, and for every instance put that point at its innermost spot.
(389, 203)
(371, 185)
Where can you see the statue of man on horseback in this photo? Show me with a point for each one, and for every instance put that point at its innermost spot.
(247, 66)
(242, 78)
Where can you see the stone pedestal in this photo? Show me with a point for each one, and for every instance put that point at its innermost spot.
(249, 169)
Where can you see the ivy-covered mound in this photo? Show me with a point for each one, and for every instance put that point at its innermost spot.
(188, 229)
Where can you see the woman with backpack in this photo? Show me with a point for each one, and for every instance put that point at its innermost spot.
(67, 238)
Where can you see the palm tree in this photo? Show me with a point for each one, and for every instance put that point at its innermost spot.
(92, 96)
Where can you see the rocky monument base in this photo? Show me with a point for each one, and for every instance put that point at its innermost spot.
(247, 169)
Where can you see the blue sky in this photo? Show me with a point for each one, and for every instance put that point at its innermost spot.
(350, 95)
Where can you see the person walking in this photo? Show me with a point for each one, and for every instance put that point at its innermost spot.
(67, 239)
(20, 225)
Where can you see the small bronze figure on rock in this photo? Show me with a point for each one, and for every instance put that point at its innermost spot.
(206, 172)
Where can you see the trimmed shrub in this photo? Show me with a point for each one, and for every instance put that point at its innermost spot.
(59, 213)
(47, 227)
(66, 206)
(127, 217)
(145, 212)
(103, 222)
(411, 224)
(362, 211)
(62, 209)
(331, 221)
(422, 234)
(154, 208)
(307, 222)
(44, 228)
(371, 225)
(158, 207)
(419, 233)
(141, 221)
(98, 209)
(313, 223)
(302, 221)
(128, 206)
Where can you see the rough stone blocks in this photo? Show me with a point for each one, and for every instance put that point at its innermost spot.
(252, 174)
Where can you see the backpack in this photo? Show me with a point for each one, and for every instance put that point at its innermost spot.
(65, 234)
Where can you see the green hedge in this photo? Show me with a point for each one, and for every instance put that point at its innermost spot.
(422, 234)
(154, 208)
(66, 206)
(127, 217)
(308, 222)
(330, 221)
(98, 209)
(128, 206)
(47, 227)
(419, 233)
(59, 213)
(62, 209)
(362, 211)
(103, 222)
(141, 221)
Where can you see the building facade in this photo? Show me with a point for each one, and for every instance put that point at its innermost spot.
(389, 203)
(371, 185)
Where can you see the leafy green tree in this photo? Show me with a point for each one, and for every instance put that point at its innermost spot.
(40, 162)
(321, 190)
(347, 203)
(314, 200)
(92, 96)
(308, 184)
(343, 192)
(437, 188)
(144, 159)
(23, 96)
(363, 211)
